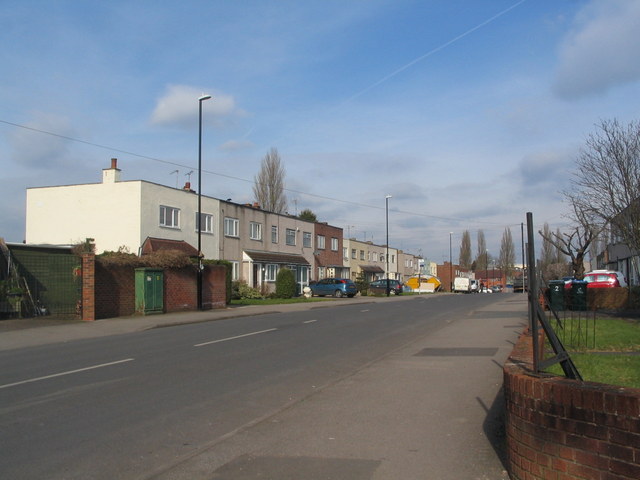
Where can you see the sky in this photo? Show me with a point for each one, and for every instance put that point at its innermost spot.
(468, 113)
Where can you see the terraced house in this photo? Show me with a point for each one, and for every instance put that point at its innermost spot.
(121, 214)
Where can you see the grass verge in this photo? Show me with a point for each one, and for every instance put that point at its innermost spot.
(604, 349)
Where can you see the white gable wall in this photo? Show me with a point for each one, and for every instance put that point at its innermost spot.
(106, 212)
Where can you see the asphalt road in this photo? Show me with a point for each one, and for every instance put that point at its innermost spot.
(133, 406)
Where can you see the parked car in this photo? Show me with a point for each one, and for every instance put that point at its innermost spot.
(605, 279)
(380, 286)
(338, 287)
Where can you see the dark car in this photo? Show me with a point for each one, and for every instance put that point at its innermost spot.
(380, 286)
(338, 287)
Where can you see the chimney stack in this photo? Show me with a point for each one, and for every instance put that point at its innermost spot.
(111, 175)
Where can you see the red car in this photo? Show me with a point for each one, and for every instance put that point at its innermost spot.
(605, 279)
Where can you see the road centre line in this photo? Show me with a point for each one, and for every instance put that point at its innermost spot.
(234, 338)
(93, 367)
(310, 321)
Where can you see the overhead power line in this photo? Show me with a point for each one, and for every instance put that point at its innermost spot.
(232, 177)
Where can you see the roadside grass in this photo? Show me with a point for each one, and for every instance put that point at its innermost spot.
(606, 350)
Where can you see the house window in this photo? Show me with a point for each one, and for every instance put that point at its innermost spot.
(306, 239)
(207, 222)
(274, 234)
(255, 231)
(271, 272)
(321, 273)
(291, 236)
(344, 252)
(361, 254)
(320, 241)
(235, 270)
(334, 244)
(353, 253)
(231, 226)
(169, 217)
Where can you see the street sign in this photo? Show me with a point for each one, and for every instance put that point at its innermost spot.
(413, 283)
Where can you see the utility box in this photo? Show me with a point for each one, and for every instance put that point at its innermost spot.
(556, 295)
(579, 295)
(149, 290)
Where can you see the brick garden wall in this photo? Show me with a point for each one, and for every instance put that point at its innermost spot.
(560, 429)
(109, 290)
(115, 291)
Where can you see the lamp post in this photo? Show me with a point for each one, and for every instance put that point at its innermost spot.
(200, 266)
(386, 201)
(450, 265)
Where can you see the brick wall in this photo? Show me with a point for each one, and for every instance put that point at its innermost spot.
(87, 307)
(560, 429)
(109, 290)
(115, 291)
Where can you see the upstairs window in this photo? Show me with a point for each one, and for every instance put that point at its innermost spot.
(291, 236)
(255, 231)
(306, 239)
(334, 244)
(274, 234)
(231, 227)
(169, 217)
(206, 220)
(320, 242)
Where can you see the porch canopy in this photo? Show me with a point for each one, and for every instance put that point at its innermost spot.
(371, 269)
(277, 258)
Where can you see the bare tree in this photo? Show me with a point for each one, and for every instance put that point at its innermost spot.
(465, 251)
(482, 260)
(548, 254)
(268, 188)
(507, 258)
(575, 243)
(606, 183)
(561, 257)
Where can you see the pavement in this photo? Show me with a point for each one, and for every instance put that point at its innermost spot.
(432, 409)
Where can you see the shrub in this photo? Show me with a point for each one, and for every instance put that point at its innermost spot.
(362, 284)
(241, 290)
(634, 298)
(286, 284)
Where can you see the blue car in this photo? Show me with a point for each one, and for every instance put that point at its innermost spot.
(338, 287)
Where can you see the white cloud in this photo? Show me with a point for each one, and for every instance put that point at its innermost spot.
(602, 51)
(179, 107)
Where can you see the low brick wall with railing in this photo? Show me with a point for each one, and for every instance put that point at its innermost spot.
(561, 429)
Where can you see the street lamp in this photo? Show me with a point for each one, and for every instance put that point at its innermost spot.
(200, 266)
(450, 265)
(386, 201)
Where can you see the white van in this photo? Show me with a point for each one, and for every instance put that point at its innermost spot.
(462, 284)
